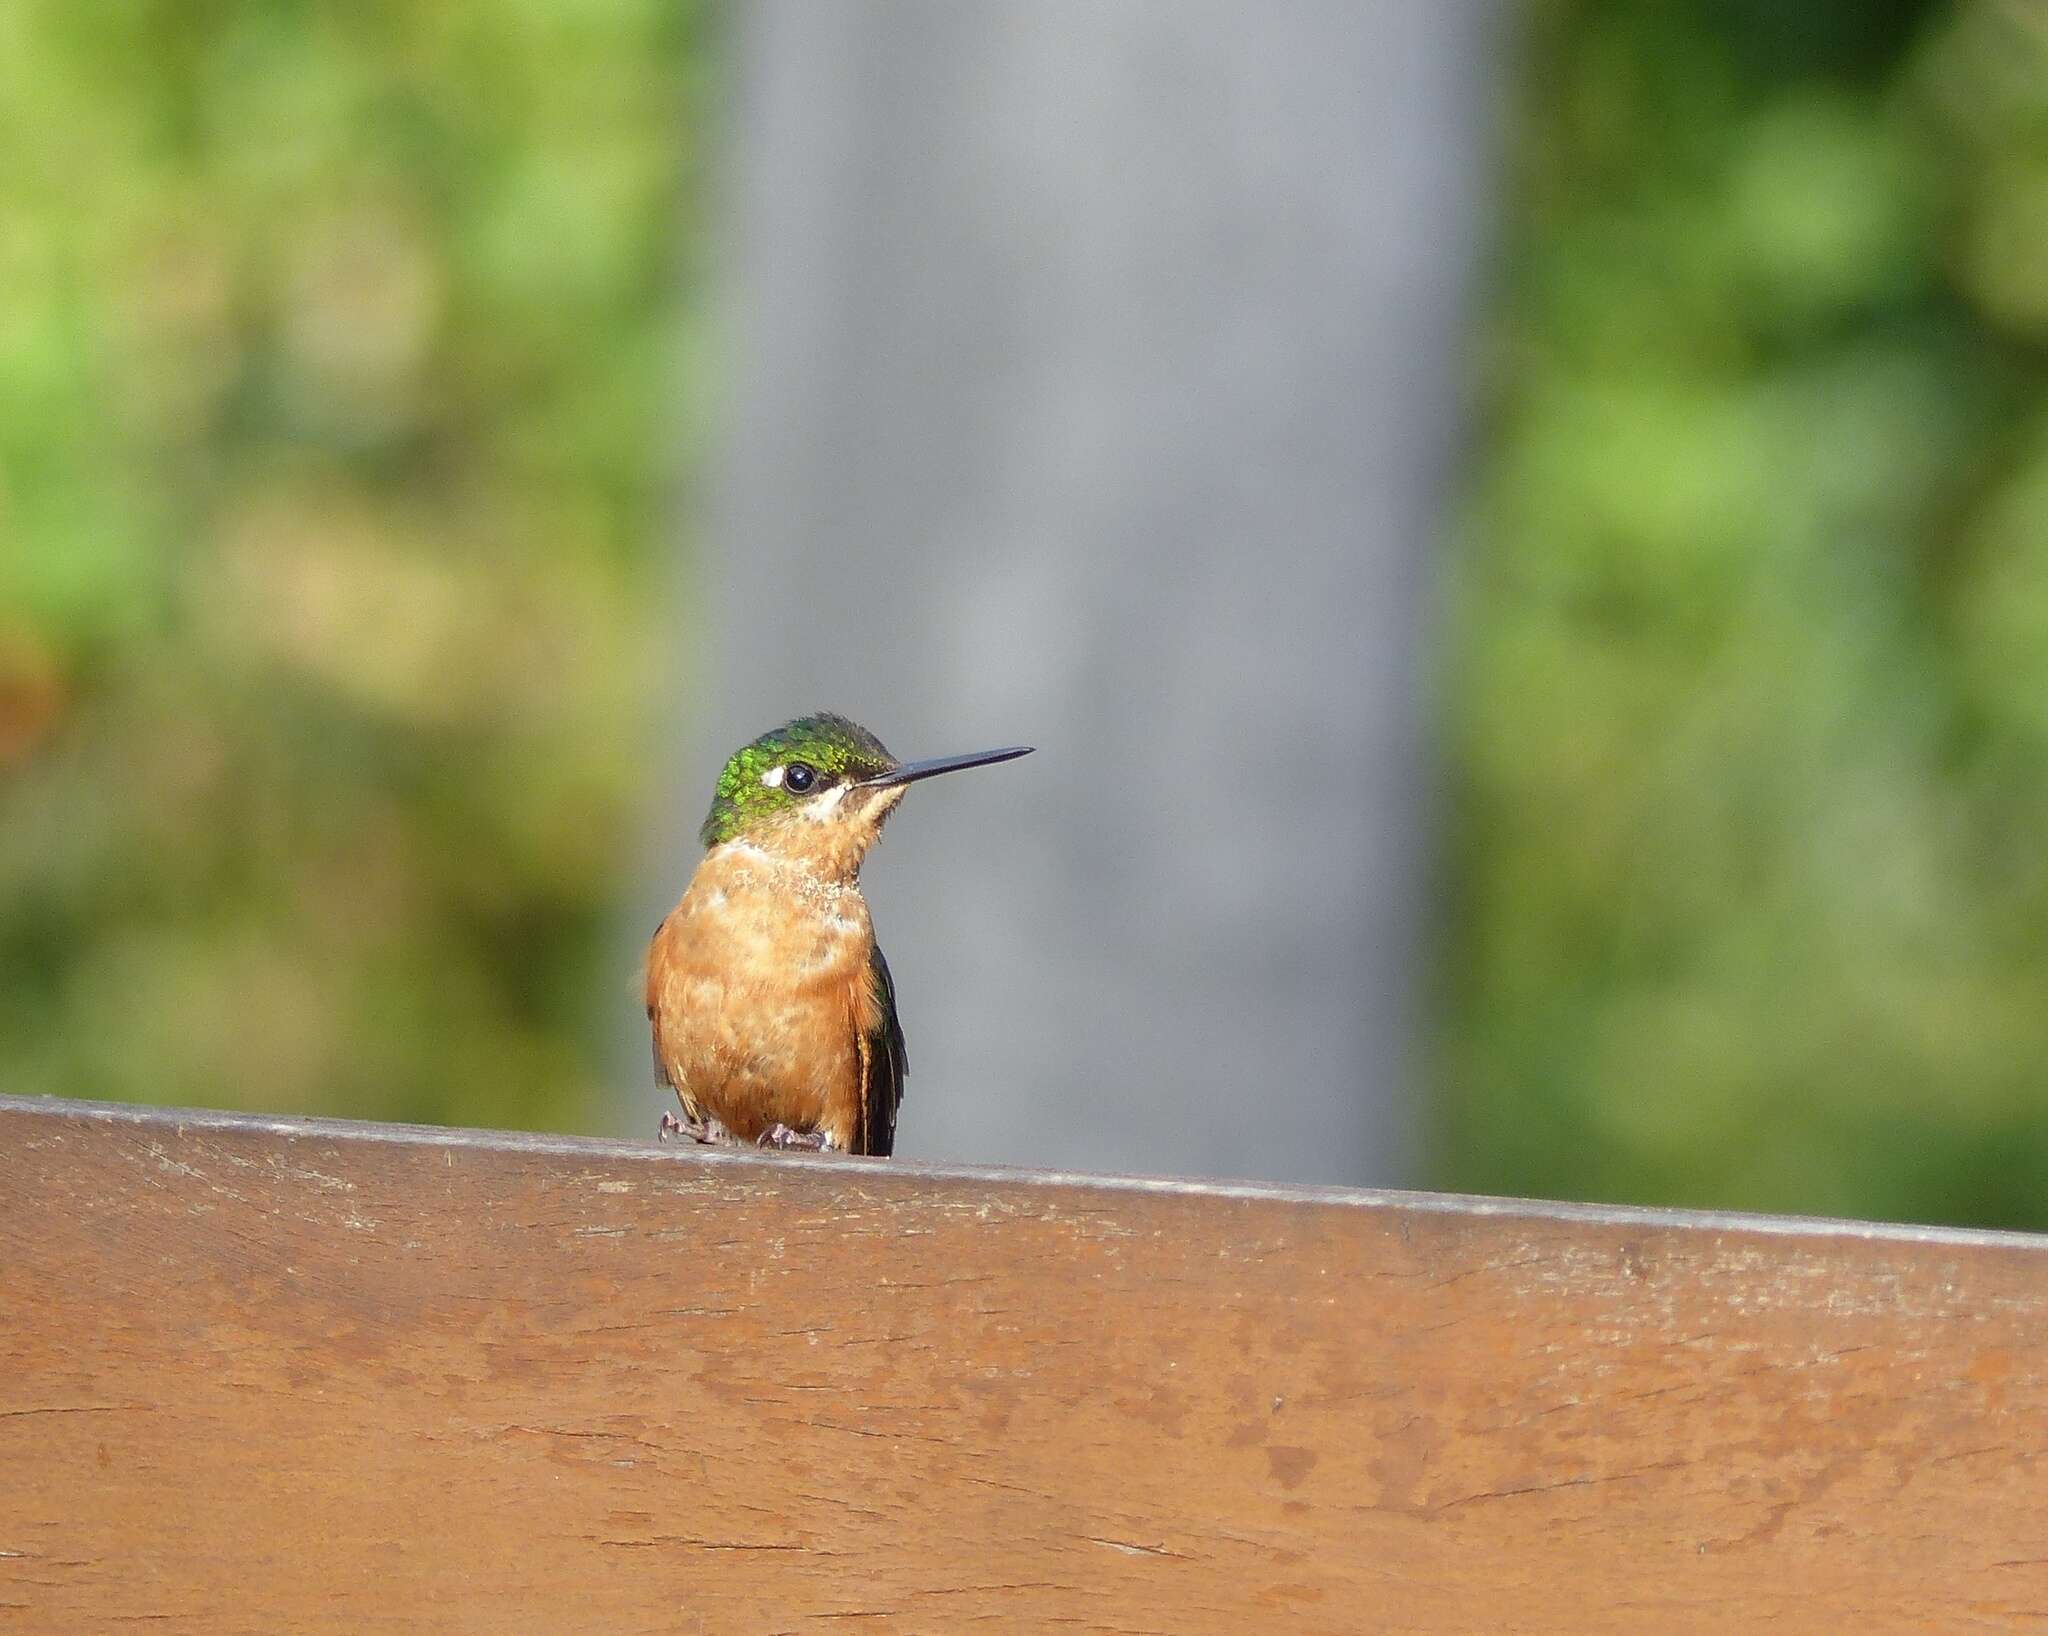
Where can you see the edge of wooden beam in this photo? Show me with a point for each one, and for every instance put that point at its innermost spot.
(611, 1149)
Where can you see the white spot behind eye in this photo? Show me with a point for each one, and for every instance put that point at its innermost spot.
(825, 807)
(773, 777)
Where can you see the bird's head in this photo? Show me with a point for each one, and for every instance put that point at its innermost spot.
(818, 788)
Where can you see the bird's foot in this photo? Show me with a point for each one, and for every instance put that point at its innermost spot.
(786, 1140)
(712, 1133)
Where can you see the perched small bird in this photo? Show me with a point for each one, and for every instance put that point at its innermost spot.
(773, 1012)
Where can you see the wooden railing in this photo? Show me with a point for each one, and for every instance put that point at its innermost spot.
(295, 1376)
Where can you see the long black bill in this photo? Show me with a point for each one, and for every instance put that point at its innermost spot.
(911, 771)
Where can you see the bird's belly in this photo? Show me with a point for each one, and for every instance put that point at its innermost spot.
(756, 1016)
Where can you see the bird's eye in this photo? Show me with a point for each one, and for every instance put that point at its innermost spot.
(798, 777)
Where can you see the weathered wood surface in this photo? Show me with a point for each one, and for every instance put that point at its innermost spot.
(261, 1376)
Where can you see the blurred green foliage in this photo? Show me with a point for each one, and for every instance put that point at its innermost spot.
(1750, 678)
(341, 366)
(344, 347)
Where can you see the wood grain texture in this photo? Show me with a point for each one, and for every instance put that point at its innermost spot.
(261, 1376)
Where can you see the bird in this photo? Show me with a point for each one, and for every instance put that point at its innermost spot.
(772, 1010)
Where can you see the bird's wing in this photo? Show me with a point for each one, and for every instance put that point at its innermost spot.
(884, 1060)
(655, 956)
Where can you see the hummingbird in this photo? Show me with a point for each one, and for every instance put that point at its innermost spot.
(773, 1012)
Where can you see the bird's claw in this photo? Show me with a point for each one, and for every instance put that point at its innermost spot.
(711, 1132)
(786, 1140)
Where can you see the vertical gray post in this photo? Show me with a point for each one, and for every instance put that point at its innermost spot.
(1094, 371)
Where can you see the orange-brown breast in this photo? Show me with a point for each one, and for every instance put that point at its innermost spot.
(759, 995)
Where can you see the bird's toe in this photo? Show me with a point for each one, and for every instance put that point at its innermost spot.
(786, 1140)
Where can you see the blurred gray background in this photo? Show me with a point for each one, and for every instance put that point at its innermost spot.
(434, 436)
(1096, 378)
